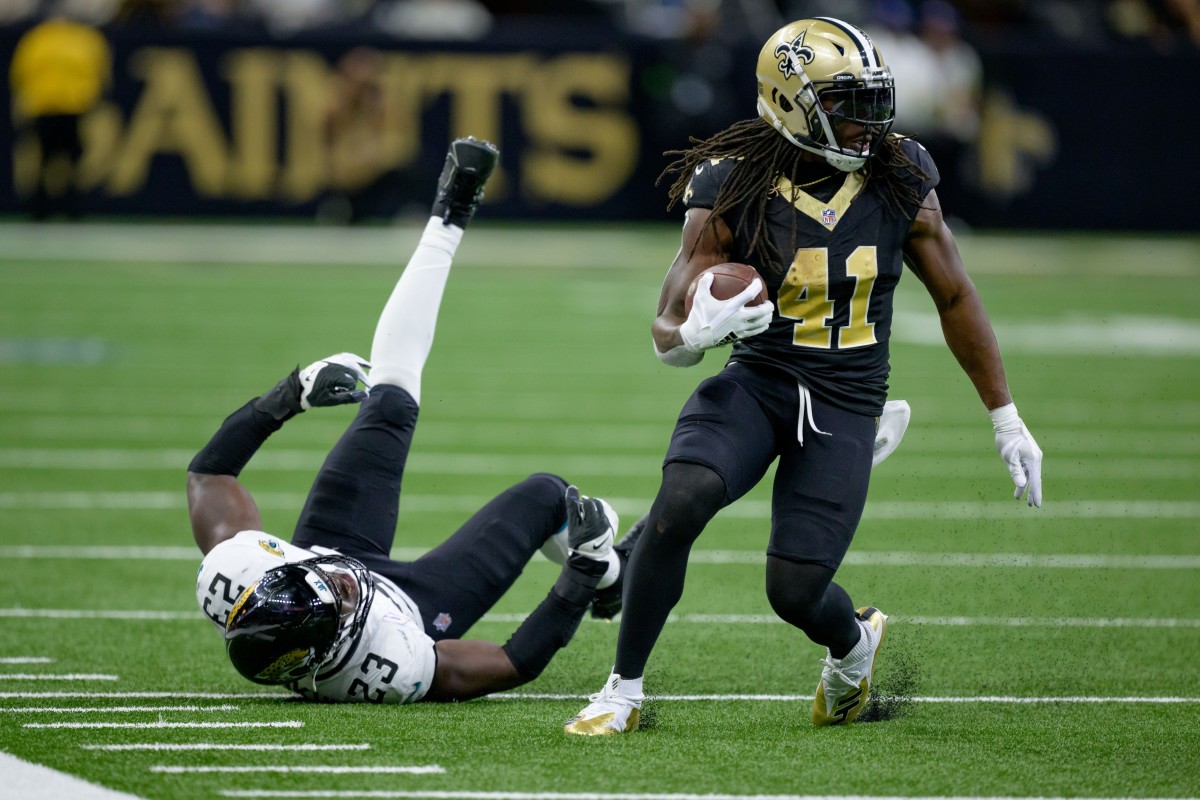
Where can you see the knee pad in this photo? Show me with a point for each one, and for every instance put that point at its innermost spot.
(392, 404)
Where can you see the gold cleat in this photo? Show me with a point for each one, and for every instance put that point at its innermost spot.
(845, 687)
(608, 714)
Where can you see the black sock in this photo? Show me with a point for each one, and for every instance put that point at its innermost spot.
(548, 629)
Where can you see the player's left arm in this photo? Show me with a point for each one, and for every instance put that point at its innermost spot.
(932, 254)
(472, 668)
(219, 506)
(469, 668)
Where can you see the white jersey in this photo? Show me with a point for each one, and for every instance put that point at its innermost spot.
(393, 659)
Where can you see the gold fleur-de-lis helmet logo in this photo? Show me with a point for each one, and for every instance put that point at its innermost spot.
(794, 53)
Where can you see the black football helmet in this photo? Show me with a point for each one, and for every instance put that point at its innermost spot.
(296, 617)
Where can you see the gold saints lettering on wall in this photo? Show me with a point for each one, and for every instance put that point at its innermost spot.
(273, 147)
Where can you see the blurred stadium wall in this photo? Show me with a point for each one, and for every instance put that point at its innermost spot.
(236, 125)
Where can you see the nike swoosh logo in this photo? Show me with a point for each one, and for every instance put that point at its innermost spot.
(597, 546)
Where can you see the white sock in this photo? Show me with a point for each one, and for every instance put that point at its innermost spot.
(404, 333)
(860, 650)
(629, 687)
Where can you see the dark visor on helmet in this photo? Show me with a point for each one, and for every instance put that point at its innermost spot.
(863, 106)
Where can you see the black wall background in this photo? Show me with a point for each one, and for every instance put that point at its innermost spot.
(1072, 139)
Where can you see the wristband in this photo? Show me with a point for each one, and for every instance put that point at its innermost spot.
(679, 356)
(1005, 418)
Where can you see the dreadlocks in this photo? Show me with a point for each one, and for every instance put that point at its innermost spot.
(764, 156)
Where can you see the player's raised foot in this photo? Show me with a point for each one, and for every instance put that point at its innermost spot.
(608, 714)
(607, 602)
(469, 163)
(846, 682)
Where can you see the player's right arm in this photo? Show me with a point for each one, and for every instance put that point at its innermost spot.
(680, 340)
(218, 505)
(703, 246)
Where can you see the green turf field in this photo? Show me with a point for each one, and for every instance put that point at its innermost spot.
(1047, 653)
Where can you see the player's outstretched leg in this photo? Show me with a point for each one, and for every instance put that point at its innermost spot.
(846, 682)
(404, 334)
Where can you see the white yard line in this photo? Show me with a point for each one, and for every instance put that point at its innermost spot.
(1155, 699)
(144, 695)
(802, 698)
(743, 509)
(26, 660)
(162, 724)
(691, 619)
(433, 769)
(1183, 468)
(61, 676)
(869, 558)
(224, 748)
(465, 795)
(90, 613)
(114, 709)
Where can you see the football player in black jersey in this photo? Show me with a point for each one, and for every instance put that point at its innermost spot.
(828, 206)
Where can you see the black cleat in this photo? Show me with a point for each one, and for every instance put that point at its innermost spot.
(607, 602)
(469, 163)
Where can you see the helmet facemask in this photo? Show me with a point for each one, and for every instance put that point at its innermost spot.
(297, 617)
(871, 109)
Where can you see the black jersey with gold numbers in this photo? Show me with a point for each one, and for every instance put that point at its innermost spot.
(833, 296)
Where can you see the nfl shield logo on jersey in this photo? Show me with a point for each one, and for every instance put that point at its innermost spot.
(442, 621)
(828, 217)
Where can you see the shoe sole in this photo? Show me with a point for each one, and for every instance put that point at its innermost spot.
(864, 613)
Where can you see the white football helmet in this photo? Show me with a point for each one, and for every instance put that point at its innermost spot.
(815, 74)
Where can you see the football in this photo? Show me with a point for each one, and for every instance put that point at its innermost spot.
(728, 280)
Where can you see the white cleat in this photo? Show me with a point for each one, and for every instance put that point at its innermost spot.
(608, 714)
(845, 686)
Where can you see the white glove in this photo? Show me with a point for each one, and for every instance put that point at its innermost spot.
(1019, 452)
(332, 381)
(893, 422)
(714, 322)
